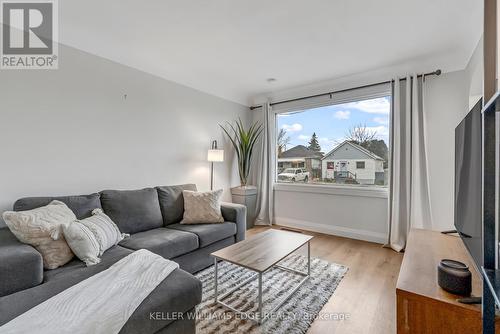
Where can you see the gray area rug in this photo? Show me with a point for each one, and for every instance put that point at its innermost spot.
(294, 316)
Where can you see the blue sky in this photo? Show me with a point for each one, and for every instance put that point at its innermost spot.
(331, 123)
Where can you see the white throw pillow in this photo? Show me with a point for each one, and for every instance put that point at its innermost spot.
(89, 238)
(202, 207)
(41, 228)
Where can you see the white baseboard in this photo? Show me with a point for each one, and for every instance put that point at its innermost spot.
(341, 231)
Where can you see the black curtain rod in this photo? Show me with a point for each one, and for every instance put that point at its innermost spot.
(436, 72)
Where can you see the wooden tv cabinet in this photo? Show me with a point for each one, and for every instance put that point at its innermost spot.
(422, 306)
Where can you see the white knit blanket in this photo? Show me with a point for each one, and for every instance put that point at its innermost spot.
(100, 304)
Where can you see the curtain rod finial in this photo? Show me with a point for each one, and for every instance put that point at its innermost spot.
(438, 72)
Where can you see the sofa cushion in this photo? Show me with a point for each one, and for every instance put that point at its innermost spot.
(166, 242)
(21, 266)
(179, 292)
(133, 210)
(77, 269)
(172, 202)
(208, 233)
(81, 205)
(200, 258)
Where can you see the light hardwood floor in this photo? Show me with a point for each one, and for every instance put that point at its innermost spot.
(367, 294)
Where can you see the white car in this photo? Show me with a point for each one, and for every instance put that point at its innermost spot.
(294, 175)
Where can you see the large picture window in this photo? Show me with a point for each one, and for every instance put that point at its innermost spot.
(337, 144)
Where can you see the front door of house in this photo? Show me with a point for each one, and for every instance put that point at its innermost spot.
(343, 166)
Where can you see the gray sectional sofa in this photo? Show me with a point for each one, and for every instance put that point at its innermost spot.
(152, 217)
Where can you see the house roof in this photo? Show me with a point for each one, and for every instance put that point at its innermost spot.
(300, 151)
(356, 146)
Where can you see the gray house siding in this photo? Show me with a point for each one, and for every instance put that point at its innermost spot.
(353, 162)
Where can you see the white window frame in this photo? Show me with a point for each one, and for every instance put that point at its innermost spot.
(352, 95)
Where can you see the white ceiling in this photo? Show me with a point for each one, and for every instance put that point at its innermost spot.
(229, 48)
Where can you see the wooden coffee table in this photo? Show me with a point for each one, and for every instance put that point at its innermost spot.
(261, 253)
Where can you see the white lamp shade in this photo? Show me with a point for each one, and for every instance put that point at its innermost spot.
(215, 155)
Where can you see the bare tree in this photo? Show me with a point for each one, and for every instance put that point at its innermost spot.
(283, 141)
(360, 134)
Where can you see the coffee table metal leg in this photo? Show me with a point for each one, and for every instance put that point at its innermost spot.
(260, 298)
(259, 317)
(216, 280)
(308, 258)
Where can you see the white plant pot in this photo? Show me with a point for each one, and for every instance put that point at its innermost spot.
(248, 197)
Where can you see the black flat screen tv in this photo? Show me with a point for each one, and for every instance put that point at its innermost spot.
(468, 182)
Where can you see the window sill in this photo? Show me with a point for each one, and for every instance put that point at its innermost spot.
(333, 190)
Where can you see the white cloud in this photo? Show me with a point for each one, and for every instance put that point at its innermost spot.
(342, 114)
(373, 106)
(304, 137)
(292, 128)
(381, 120)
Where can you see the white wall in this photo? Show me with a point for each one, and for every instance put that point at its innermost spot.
(474, 73)
(356, 217)
(448, 99)
(71, 131)
(446, 104)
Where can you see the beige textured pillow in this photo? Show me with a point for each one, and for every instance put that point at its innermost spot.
(89, 238)
(42, 228)
(202, 207)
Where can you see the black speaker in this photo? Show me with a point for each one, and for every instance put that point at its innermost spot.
(455, 277)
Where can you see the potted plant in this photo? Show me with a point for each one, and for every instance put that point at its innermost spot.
(243, 141)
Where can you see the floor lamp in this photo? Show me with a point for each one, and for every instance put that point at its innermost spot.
(214, 155)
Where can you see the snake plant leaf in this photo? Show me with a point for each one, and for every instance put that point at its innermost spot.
(243, 141)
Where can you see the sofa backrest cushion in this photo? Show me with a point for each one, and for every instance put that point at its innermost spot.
(133, 210)
(172, 202)
(81, 205)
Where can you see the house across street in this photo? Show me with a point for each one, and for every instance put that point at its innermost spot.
(301, 157)
(347, 163)
(350, 161)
